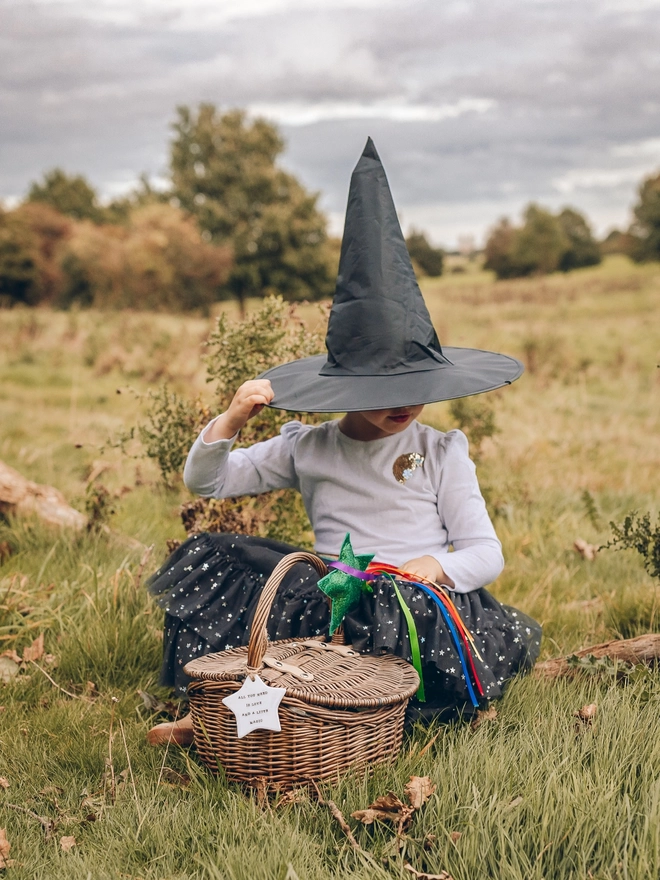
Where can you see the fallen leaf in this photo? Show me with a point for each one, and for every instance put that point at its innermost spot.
(8, 669)
(388, 803)
(585, 717)
(153, 704)
(369, 816)
(587, 551)
(36, 650)
(5, 846)
(587, 713)
(4, 782)
(6, 550)
(489, 714)
(51, 790)
(418, 791)
(12, 656)
(430, 841)
(387, 808)
(422, 875)
(67, 843)
(293, 796)
(455, 836)
(173, 777)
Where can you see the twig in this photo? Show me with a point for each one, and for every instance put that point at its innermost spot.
(337, 813)
(113, 787)
(47, 824)
(123, 539)
(55, 684)
(428, 745)
(130, 770)
(158, 781)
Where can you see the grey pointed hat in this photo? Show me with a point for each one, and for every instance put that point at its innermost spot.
(382, 349)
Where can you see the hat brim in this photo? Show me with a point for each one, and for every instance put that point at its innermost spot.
(299, 387)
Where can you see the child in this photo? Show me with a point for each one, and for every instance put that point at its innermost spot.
(402, 490)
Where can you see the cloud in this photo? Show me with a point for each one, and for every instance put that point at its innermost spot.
(308, 114)
(595, 178)
(476, 108)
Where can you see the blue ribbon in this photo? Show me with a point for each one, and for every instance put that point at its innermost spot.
(459, 647)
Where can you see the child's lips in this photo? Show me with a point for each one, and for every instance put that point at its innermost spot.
(400, 418)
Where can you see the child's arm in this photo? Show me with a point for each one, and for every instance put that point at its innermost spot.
(213, 470)
(476, 559)
(249, 400)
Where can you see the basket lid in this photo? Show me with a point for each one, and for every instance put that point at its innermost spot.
(317, 672)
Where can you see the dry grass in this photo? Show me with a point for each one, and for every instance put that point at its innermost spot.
(578, 445)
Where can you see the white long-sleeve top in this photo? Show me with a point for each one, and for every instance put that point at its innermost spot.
(349, 486)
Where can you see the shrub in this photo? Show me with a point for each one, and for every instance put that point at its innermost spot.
(157, 261)
(543, 244)
(475, 416)
(646, 228)
(236, 351)
(637, 533)
(429, 259)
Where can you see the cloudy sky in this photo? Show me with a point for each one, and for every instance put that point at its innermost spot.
(476, 106)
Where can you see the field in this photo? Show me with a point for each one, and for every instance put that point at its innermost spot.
(533, 794)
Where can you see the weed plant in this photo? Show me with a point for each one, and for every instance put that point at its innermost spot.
(534, 794)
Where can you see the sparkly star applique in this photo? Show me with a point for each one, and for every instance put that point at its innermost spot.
(406, 465)
(342, 587)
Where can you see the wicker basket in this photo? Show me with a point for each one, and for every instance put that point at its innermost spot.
(341, 709)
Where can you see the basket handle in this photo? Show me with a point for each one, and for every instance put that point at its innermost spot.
(258, 635)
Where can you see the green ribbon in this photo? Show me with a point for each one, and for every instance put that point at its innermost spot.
(414, 640)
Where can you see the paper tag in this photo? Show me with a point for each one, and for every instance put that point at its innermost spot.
(255, 706)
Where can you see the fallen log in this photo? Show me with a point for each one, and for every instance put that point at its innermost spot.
(641, 649)
(20, 496)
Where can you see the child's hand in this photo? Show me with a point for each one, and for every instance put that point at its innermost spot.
(429, 568)
(248, 400)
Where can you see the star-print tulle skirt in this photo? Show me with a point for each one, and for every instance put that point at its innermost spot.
(209, 588)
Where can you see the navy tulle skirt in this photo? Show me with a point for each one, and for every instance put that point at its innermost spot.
(209, 588)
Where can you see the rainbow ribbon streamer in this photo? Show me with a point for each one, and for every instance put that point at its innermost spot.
(461, 636)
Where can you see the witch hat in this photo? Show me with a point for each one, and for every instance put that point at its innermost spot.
(383, 352)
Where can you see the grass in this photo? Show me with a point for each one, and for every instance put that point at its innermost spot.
(534, 794)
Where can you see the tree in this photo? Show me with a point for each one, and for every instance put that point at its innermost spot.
(499, 249)
(224, 172)
(30, 240)
(19, 257)
(582, 248)
(71, 195)
(646, 226)
(429, 259)
(119, 210)
(617, 242)
(544, 243)
(539, 244)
